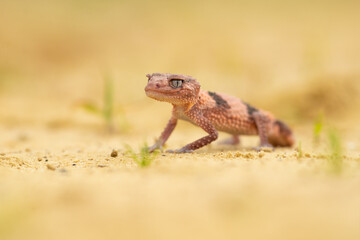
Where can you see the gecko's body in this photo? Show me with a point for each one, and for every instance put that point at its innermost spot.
(213, 112)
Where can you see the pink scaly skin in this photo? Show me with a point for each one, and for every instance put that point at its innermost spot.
(213, 112)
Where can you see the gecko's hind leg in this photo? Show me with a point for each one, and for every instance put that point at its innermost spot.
(234, 140)
(262, 123)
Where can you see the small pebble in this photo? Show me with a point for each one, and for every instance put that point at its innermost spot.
(39, 159)
(50, 167)
(307, 155)
(114, 154)
(74, 164)
(248, 155)
(101, 166)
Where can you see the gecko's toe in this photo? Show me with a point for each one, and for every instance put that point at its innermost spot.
(181, 150)
(265, 148)
(153, 148)
(186, 151)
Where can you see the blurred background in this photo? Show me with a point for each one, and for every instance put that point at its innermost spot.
(73, 71)
(298, 59)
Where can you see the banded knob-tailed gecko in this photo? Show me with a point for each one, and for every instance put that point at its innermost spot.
(213, 112)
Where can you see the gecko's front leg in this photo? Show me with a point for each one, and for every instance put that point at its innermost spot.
(165, 134)
(201, 121)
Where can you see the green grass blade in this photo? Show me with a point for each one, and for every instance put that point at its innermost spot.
(300, 152)
(318, 127)
(91, 108)
(335, 159)
(108, 111)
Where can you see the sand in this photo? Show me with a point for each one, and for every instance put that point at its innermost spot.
(63, 183)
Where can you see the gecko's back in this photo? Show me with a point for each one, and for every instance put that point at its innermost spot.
(227, 113)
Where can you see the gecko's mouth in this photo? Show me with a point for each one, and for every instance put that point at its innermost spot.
(155, 94)
(164, 96)
(152, 92)
(155, 91)
(149, 89)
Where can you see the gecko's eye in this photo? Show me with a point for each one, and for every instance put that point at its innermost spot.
(176, 83)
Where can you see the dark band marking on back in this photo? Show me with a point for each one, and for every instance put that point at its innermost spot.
(219, 100)
(250, 109)
(284, 129)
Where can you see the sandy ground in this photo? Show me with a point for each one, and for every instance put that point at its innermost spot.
(60, 182)
(297, 59)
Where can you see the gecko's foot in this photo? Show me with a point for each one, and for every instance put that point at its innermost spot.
(181, 150)
(154, 147)
(265, 147)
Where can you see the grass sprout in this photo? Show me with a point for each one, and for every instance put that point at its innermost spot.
(335, 159)
(107, 111)
(144, 158)
(300, 152)
(318, 127)
(91, 107)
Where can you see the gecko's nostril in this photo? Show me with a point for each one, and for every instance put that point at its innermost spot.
(157, 85)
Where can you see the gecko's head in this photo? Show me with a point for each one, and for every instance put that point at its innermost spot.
(280, 135)
(172, 88)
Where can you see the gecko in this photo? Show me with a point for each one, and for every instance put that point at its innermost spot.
(213, 112)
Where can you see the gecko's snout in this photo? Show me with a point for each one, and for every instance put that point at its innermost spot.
(150, 86)
(152, 90)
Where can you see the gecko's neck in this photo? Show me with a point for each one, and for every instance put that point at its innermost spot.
(183, 107)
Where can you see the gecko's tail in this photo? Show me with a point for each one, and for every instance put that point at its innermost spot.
(281, 135)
